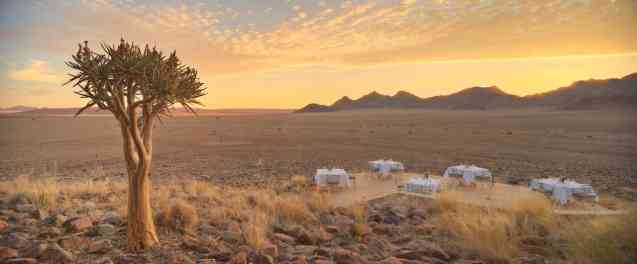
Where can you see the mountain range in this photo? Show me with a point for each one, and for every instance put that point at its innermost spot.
(581, 95)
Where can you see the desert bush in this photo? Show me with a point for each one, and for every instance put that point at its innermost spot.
(293, 209)
(178, 215)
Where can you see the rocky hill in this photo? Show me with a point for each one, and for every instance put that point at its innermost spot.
(581, 95)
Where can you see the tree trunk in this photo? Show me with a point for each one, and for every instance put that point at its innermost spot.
(141, 227)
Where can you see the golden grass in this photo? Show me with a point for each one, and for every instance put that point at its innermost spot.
(293, 209)
(494, 234)
(47, 192)
(359, 214)
(299, 181)
(255, 230)
(602, 239)
(178, 215)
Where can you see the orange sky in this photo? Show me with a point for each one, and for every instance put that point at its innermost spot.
(285, 54)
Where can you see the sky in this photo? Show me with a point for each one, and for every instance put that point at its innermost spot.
(287, 53)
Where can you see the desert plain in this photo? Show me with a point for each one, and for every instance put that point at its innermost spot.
(597, 147)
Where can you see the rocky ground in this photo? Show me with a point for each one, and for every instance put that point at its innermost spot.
(219, 225)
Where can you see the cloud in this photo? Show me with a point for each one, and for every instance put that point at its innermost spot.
(219, 40)
(37, 71)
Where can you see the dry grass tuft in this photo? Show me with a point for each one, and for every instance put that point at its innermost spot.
(299, 180)
(447, 201)
(359, 214)
(256, 228)
(494, 234)
(602, 239)
(293, 209)
(178, 215)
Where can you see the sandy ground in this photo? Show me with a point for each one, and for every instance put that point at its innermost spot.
(598, 147)
(484, 194)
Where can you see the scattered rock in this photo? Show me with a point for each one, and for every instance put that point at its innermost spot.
(6, 252)
(40, 214)
(105, 229)
(103, 260)
(283, 237)
(304, 250)
(50, 232)
(263, 259)
(78, 224)
(344, 256)
(34, 251)
(530, 259)
(56, 220)
(74, 242)
(55, 254)
(21, 261)
(270, 250)
(112, 218)
(240, 258)
(15, 240)
(232, 237)
(100, 246)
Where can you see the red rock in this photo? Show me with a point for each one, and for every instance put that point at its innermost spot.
(6, 252)
(3, 225)
(79, 224)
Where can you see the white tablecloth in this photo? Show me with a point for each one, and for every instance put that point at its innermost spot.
(469, 173)
(422, 185)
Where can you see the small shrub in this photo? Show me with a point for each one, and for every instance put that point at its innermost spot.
(292, 209)
(179, 216)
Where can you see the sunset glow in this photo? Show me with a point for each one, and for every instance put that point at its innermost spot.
(286, 53)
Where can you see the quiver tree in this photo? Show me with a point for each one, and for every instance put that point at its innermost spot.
(137, 86)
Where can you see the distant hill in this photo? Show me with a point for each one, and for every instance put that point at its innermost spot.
(581, 95)
(17, 109)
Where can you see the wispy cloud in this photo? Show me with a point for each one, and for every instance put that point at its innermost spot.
(37, 71)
